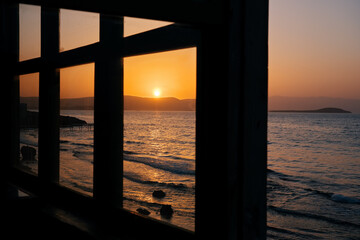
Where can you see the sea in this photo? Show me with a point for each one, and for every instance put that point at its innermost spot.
(313, 183)
(313, 188)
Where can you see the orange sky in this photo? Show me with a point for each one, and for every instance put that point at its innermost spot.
(314, 50)
(172, 73)
(29, 85)
(77, 81)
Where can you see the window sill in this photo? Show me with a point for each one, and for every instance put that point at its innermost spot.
(83, 219)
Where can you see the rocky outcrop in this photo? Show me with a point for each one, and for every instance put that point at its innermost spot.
(143, 211)
(30, 119)
(166, 211)
(28, 153)
(68, 121)
(159, 194)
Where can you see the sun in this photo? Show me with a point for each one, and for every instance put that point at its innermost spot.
(157, 92)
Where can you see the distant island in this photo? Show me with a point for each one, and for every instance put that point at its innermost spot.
(322, 110)
(301, 103)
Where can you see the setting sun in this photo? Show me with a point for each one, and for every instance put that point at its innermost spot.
(157, 92)
(171, 73)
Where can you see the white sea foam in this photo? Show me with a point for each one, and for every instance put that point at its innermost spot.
(173, 166)
(344, 199)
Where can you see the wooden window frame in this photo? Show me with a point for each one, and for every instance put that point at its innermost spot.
(231, 117)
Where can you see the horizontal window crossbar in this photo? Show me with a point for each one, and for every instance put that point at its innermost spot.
(162, 39)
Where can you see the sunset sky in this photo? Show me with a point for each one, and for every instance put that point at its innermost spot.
(172, 74)
(314, 50)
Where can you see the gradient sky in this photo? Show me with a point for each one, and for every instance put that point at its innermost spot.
(77, 81)
(314, 50)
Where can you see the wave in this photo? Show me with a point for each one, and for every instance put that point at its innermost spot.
(79, 186)
(81, 154)
(336, 197)
(29, 142)
(134, 142)
(282, 176)
(156, 207)
(312, 216)
(176, 167)
(148, 204)
(319, 192)
(344, 199)
(134, 178)
(129, 152)
(273, 232)
(82, 144)
(178, 158)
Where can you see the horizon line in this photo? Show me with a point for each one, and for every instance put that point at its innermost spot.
(314, 97)
(124, 96)
(195, 97)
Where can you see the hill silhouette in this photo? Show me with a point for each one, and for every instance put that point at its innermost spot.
(174, 104)
(158, 104)
(130, 103)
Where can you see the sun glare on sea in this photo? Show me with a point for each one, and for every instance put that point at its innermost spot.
(157, 92)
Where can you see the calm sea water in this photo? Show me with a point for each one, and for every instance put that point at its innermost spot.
(313, 169)
(160, 155)
(313, 187)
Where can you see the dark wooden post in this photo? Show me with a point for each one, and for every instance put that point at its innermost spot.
(9, 56)
(232, 124)
(211, 134)
(247, 118)
(251, 64)
(108, 113)
(49, 93)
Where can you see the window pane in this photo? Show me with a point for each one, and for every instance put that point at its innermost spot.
(159, 135)
(76, 127)
(29, 109)
(29, 31)
(78, 29)
(134, 26)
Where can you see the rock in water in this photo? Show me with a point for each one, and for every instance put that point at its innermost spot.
(159, 194)
(68, 121)
(28, 153)
(143, 211)
(166, 211)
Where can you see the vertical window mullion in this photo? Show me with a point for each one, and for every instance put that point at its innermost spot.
(49, 98)
(9, 44)
(108, 113)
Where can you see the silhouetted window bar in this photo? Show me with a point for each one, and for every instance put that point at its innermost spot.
(231, 116)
